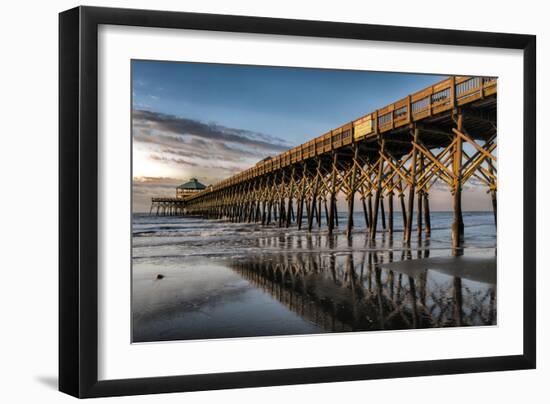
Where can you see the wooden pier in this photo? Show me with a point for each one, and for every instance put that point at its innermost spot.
(392, 155)
(167, 206)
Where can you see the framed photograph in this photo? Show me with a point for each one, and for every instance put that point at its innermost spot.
(251, 201)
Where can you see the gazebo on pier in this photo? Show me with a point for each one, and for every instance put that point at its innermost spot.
(189, 188)
(170, 206)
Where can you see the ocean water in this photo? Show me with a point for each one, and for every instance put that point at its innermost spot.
(194, 278)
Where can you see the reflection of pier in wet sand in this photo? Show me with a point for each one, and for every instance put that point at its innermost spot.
(365, 290)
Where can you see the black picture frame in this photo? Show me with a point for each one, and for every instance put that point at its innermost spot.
(78, 201)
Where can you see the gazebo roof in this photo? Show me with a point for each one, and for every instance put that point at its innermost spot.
(192, 184)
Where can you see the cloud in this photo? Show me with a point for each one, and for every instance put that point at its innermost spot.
(154, 180)
(181, 127)
(143, 188)
(177, 160)
(191, 148)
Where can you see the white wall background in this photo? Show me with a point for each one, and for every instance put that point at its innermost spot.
(28, 206)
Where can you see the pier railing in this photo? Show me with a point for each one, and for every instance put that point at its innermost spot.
(436, 99)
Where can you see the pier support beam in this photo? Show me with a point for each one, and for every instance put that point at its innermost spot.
(280, 211)
(493, 192)
(382, 212)
(412, 189)
(427, 219)
(419, 200)
(332, 208)
(311, 212)
(403, 209)
(390, 208)
(290, 208)
(365, 212)
(369, 209)
(494, 200)
(378, 192)
(312, 203)
(351, 193)
(457, 235)
(301, 197)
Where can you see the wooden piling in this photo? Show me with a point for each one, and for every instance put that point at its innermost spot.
(419, 200)
(403, 208)
(290, 212)
(382, 212)
(493, 191)
(258, 215)
(351, 194)
(290, 196)
(365, 212)
(269, 210)
(326, 210)
(332, 210)
(412, 185)
(427, 218)
(319, 214)
(378, 192)
(390, 212)
(457, 234)
(281, 211)
(300, 210)
(309, 215)
(369, 210)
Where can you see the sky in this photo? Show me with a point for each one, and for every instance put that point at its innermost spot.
(211, 121)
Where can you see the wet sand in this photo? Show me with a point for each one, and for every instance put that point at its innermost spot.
(236, 283)
(479, 269)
